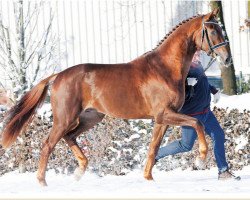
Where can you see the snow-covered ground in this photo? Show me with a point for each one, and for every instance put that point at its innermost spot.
(174, 184)
(240, 102)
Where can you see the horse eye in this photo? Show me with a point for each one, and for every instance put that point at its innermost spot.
(214, 32)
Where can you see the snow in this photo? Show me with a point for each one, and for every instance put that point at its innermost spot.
(240, 102)
(176, 184)
(45, 110)
(135, 136)
(241, 143)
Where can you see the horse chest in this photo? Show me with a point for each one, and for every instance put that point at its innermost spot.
(159, 95)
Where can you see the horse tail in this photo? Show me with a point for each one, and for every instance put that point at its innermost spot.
(21, 114)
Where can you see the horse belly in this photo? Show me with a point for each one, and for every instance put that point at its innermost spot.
(115, 92)
(120, 104)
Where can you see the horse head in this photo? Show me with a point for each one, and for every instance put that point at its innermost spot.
(211, 39)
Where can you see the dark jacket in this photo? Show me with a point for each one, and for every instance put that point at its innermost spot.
(197, 98)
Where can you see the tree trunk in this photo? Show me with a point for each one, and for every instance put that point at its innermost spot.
(22, 80)
(248, 9)
(21, 48)
(227, 73)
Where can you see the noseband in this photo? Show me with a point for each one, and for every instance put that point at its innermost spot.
(204, 34)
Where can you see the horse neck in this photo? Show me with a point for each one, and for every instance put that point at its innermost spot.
(177, 51)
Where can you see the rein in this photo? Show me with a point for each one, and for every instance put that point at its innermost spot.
(211, 61)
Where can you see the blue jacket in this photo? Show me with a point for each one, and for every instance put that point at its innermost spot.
(198, 96)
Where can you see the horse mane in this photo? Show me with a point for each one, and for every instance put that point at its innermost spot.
(173, 29)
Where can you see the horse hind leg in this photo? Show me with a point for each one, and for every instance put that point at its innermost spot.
(55, 135)
(60, 127)
(79, 155)
(87, 120)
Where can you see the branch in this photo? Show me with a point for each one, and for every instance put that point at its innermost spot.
(40, 54)
(29, 17)
(3, 38)
(45, 37)
(6, 37)
(12, 68)
(37, 12)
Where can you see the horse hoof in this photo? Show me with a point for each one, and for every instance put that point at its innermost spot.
(78, 173)
(200, 163)
(43, 183)
(148, 177)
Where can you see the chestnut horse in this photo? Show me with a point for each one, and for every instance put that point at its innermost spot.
(150, 87)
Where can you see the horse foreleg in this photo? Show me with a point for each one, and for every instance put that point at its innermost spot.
(158, 133)
(178, 119)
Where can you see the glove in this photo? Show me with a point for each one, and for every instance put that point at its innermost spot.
(216, 97)
(191, 81)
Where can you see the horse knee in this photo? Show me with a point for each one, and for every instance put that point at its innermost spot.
(198, 125)
(70, 139)
(46, 149)
(48, 146)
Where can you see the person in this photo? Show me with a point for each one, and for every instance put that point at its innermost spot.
(197, 105)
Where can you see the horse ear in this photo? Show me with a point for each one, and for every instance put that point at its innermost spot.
(213, 14)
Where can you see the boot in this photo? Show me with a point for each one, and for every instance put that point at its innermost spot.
(227, 175)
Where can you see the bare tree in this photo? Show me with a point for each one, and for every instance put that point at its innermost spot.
(26, 56)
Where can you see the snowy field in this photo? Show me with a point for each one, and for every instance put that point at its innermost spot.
(174, 184)
(240, 102)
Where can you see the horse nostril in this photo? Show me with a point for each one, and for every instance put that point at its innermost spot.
(228, 60)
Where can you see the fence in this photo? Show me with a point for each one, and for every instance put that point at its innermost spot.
(113, 31)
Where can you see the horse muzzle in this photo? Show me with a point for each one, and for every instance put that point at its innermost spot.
(226, 61)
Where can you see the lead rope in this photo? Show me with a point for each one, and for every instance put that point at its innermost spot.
(211, 61)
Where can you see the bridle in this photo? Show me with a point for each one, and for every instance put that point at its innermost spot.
(211, 52)
(204, 34)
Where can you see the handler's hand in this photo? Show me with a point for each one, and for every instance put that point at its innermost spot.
(216, 97)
